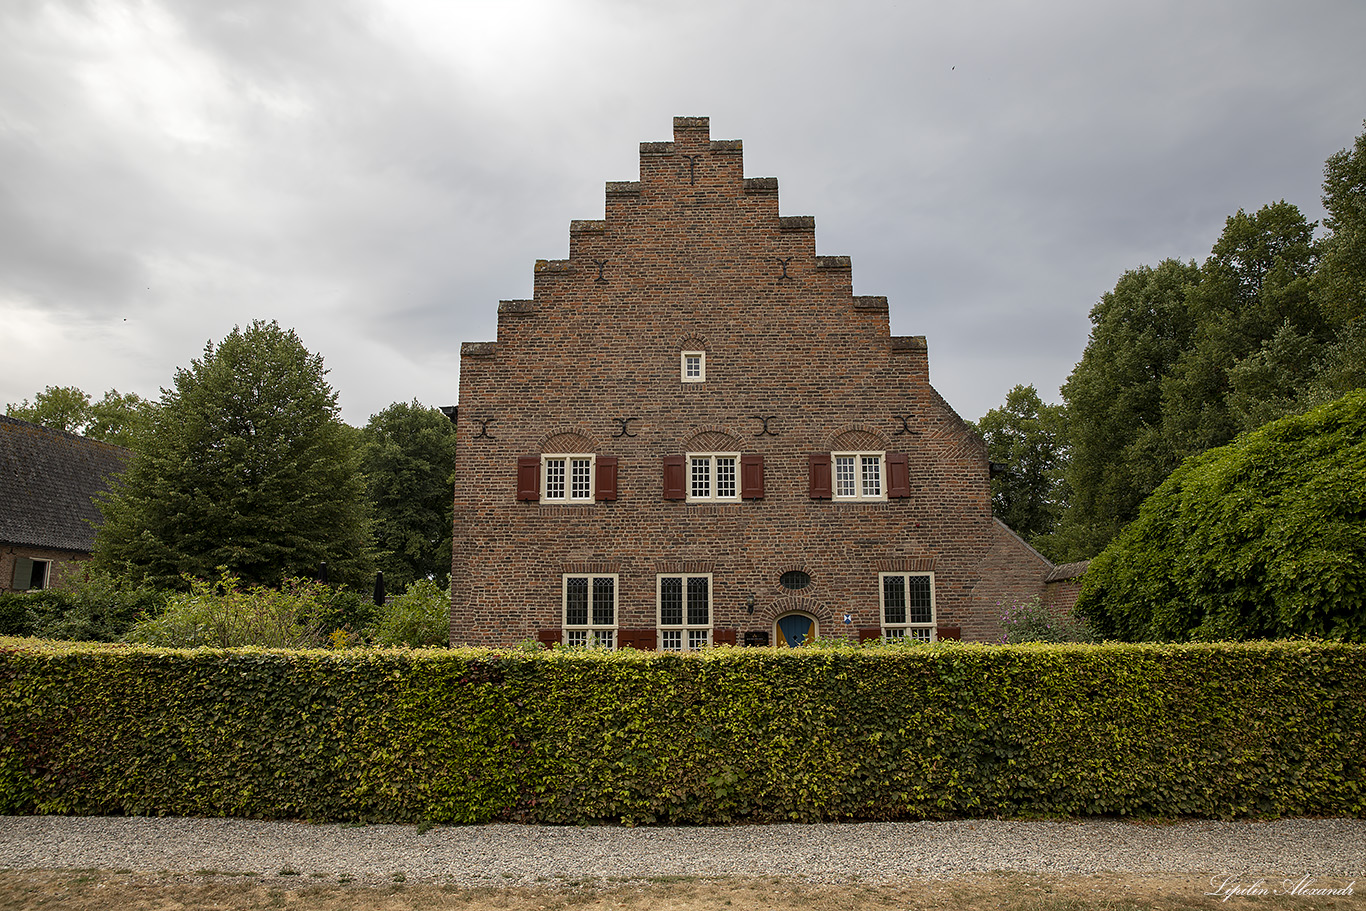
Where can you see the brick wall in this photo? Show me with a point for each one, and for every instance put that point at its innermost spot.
(66, 569)
(695, 257)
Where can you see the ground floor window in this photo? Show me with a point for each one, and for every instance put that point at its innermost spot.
(908, 606)
(590, 610)
(684, 611)
(30, 575)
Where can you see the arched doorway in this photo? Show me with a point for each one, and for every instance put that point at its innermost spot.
(794, 627)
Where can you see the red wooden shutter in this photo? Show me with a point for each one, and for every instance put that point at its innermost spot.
(606, 481)
(752, 477)
(674, 488)
(867, 633)
(642, 639)
(949, 632)
(819, 466)
(723, 637)
(898, 475)
(548, 637)
(529, 477)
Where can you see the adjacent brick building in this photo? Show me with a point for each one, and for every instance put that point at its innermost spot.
(48, 482)
(695, 432)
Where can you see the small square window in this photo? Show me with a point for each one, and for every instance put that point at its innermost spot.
(694, 366)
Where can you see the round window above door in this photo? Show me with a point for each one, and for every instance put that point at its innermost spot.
(795, 628)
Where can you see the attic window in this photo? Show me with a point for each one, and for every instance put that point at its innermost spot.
(694, 367)
(794, 580)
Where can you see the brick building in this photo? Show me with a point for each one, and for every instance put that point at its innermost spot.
(48, 481)
(695, 432)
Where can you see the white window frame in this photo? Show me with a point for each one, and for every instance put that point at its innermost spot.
(861, 486)
(701, 375)
(567, 483)
(891, 632)
(601, 635)
(712, 459)
(685, 636)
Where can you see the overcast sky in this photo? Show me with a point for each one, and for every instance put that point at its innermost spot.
(378, 174)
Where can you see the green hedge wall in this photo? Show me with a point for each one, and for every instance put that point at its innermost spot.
(467, 736)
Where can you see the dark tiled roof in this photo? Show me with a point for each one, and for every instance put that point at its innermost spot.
(1064, 571)
(47, 480)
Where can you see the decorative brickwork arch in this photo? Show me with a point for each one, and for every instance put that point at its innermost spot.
(692, 343)
(568, 439)
(769, 613)
(857, 438)
(712, 439)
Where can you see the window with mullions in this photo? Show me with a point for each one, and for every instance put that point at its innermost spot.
(590, 610)
(908, 606)
(858, 475)
(694, 366)
(566, 479)
(684, 612)
(712, 476)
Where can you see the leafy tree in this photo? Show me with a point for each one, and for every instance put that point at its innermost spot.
(1029, 438)
(1114, 403)
(1340, 283)
(1252, 302)
(116, 418)
(245, 465)
(408, 455)
(1262, 538)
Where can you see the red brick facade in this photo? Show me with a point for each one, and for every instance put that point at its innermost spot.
(694, 258)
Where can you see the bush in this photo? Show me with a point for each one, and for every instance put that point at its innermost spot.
(1262, 538)
(420, 617)
(728, 734)
(1030, 621)
(225, 615)
(98, 608)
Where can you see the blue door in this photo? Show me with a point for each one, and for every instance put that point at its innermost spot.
(794, 628)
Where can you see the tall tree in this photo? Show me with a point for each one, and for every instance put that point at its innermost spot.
(1029, 438)
(1252, 302)
(116, 418)
(245, 465)
(1340, 283)
(408, 455)
(1114, 403)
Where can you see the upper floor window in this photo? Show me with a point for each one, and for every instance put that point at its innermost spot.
(712, 476)
(694, 366)
(567, 478)
(858, 475)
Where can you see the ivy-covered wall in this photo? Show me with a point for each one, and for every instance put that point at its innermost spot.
(468, 736)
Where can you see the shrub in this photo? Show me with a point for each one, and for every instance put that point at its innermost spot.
(419, 617)
(1030, 621)
(1262, 538)
(99, 607)
(224, 614)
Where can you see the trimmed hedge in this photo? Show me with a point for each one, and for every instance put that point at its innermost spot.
(468, 736)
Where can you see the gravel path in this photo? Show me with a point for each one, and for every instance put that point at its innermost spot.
(509, 854)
